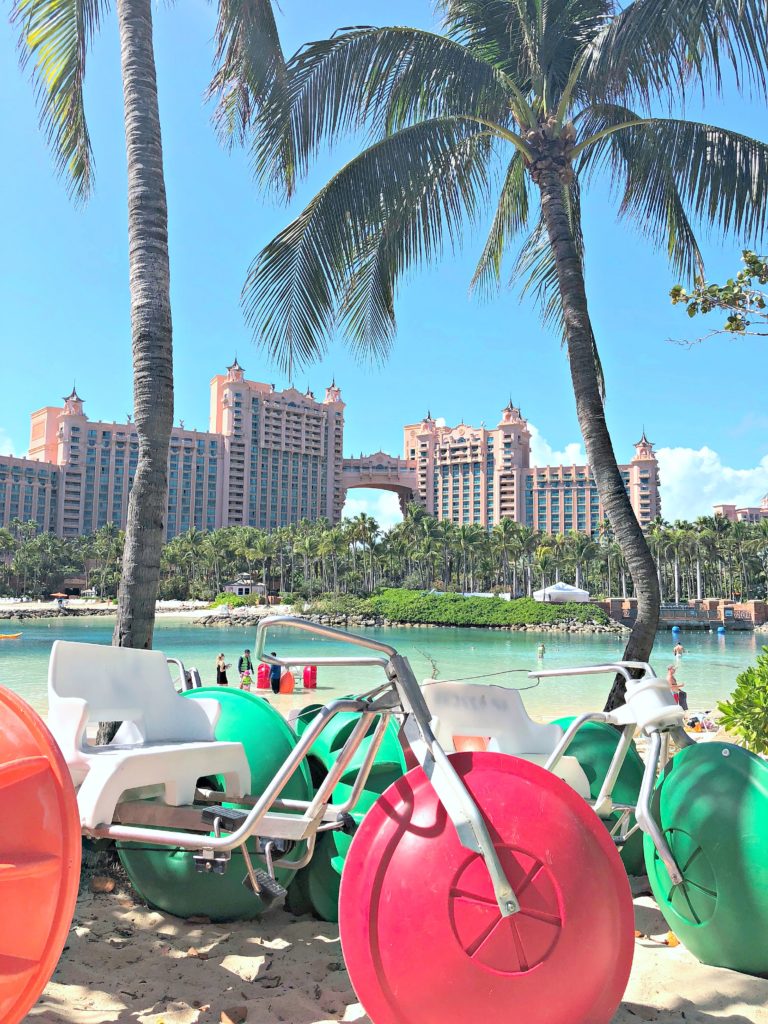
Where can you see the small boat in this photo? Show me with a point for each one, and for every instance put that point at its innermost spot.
(9, 636)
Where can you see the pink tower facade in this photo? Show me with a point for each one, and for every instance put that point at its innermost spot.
(474, 475)
(273, 458)
(283, 451)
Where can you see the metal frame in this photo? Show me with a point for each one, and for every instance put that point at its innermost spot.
(659, 737)
(272, 818)
(400, 694)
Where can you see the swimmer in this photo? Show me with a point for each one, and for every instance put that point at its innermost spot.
(678, 649)
(541, 651)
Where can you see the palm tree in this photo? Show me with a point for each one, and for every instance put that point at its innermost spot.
(557, 92)
(54, 37)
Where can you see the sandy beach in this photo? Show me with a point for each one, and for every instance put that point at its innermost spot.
(124, 962)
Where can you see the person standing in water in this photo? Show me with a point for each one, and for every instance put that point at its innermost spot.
(678, 649)
(541, 650)
(275, 671)
(221, 671)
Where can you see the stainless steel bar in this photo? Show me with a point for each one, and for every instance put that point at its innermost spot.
(460, 806)
(305, 858)
(295, 622)
(188, 841)
(348, 751)
(643, 814)
(604, 805)
(182, 672)
(587, 670)
(570, 732)
(365, 768)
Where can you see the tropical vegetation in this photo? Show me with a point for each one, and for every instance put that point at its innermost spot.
(745, 713)
(438, 609)
(743, 298)
(508, 115)
(710, 557)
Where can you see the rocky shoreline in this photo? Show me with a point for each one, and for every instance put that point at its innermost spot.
(55, 613)
(567, 626)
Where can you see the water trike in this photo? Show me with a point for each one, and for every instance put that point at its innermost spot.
(475, 882)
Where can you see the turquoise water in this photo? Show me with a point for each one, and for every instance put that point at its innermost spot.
(708, 670)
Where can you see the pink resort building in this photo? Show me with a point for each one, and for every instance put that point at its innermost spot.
(474, 475)
(747, 514)
(271, 458)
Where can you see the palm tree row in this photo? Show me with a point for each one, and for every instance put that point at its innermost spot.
(708, 558)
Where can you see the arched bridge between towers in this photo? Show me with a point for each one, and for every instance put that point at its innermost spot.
(385, 473)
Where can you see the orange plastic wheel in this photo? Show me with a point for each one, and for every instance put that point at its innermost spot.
(39, 855)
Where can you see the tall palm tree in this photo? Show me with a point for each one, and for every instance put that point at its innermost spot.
(54, 37)
(518, 100)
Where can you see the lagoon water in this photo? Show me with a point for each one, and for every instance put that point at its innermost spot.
(708, 669)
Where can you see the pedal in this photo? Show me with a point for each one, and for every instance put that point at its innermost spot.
(230, 818)
(211, 862)
(269, 889)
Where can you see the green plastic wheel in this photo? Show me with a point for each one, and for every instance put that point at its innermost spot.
(166, 877)
(319, 881)
(594, 746)
(711, 801)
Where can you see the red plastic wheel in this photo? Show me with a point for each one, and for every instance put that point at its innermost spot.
(39, 856)
(423, 939)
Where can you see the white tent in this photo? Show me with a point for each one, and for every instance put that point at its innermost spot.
(561, 592)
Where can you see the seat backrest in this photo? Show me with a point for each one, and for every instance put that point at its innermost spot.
(476, 709)
(120, 684)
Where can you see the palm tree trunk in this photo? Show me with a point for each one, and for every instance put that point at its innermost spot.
(591, 415)
(150, 328)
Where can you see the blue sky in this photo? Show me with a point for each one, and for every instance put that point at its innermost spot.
(64, 290)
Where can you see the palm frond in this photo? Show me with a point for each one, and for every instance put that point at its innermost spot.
(54, 36)
(389, 210)
(656, 48)
(510, 219)
(670, 171)
(535, 42)
(377, 80)
(251, 87)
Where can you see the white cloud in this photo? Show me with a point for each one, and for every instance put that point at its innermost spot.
(543, 454)
(692, 481)
(6, 445)
(384, 506)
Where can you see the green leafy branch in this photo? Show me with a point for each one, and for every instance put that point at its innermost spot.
(746, 304)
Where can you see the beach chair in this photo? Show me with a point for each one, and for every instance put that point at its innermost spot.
(496, 717)
(165, 744)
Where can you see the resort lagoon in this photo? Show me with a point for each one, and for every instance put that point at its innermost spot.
(708, 669)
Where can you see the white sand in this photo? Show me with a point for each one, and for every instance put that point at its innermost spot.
(126, 963)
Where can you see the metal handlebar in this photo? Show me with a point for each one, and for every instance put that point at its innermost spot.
(622, 667)
(328, 631)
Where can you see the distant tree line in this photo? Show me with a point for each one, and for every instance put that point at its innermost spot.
(710, 557)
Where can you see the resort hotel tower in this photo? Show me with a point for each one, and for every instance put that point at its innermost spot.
(272, 458)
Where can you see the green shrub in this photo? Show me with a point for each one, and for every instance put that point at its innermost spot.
(340, 604)
(456, 610)
(235, 600)
(745, 713)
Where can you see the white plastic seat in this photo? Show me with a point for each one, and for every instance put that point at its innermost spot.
(166, 743)
(498, 715)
